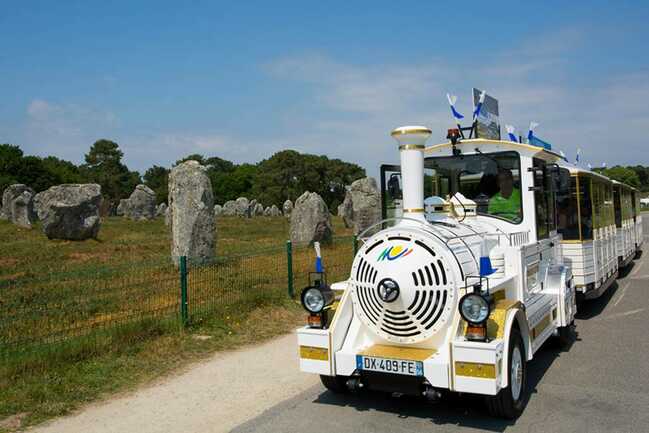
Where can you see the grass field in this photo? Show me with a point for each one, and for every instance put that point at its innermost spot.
(101, 315)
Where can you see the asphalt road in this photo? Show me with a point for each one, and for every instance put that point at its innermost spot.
(598, 384)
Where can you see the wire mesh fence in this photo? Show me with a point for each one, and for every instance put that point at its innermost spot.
(103, 304)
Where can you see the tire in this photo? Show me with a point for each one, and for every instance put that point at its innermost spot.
(335, 384)
(510, 402)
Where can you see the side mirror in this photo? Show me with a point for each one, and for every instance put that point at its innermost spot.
(394, 188)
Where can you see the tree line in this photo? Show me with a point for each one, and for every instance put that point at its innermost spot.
(636, 176)
(285, 175)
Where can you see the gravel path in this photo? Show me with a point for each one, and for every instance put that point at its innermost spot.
(213, 396)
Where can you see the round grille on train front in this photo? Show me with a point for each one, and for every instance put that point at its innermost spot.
(403, 288)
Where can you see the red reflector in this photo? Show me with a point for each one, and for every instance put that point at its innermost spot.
(315, 320)
(476, 332)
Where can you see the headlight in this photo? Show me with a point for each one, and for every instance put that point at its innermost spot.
(315, 299)
(474, 308)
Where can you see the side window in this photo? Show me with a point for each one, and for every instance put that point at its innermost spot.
(585, 207)
(543, 199)
(618, 203)
(567, 206)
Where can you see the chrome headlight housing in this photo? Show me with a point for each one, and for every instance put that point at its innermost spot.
(316, 298)
(474, 308)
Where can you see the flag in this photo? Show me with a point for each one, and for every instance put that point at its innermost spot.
(478, 107)
(603, 165)
(578, 154)
(318, 257)
(452, 99)
(590, 167)
(510, 132)
(530, 133)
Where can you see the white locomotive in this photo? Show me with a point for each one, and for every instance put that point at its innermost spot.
(465, 287)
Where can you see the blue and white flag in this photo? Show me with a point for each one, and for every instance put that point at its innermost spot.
(578, 154)
(318, 257)
(452, 99)
(590, 167)
(530, 133)
(510, 132)
(478, 107)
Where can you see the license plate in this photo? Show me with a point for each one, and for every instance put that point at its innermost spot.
(394, 366)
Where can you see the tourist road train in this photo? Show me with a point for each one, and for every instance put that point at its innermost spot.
(486, 251)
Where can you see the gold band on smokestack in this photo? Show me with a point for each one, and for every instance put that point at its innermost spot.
(412, 142)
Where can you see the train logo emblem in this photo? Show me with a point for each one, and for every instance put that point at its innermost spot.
(394, 252)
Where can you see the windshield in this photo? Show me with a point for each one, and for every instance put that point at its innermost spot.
(492, 180)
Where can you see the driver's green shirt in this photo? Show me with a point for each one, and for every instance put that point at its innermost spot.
(508, 208)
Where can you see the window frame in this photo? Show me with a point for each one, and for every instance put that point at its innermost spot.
(520, 180)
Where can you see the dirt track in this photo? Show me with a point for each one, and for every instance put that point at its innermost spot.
(213, 396)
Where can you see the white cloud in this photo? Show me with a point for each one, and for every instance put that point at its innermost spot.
(65, 130)
(360, 104)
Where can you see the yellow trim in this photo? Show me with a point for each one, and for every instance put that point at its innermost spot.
(497, 317)
(541, 326)
(475, 369)
(316, 353)
(397, 352)
(412, 147)
(501, 142)
(404, 131)
(581, 238)
(572, 241)
(414, 210)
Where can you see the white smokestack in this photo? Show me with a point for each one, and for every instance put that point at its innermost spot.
(412, 140)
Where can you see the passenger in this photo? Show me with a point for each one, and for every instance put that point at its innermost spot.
(507, 202)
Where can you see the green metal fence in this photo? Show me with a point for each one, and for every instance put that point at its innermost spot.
(97, 302)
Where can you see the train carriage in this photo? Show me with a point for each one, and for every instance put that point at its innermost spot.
(586, 220)
(637, 219)
(625, 237)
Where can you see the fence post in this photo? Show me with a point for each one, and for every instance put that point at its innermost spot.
(184, 311)
(289, 265)
(355, 245)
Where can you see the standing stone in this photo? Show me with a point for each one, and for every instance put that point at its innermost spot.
(274, 211)
(71, 211)
(346, 210)
(168, 216)
(121, 207)
(218, 210)
(258, 210)
(22, 210)
(230, 208)
(242, 207)
(141, 204)
(251, 207)
(287, 208)
(192, 213)
(310, 220)
(365, 204)
(10, 194)
(161, 210)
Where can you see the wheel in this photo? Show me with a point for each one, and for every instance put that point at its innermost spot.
(335, 384)
(510, 402)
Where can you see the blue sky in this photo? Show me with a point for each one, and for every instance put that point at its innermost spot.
(242, 80)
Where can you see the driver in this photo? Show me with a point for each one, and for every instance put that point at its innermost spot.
(507, 202)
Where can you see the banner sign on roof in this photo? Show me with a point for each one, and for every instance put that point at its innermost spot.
(488, 121)
(536, 141)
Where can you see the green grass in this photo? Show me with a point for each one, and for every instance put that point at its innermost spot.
(84, 319)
